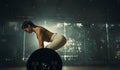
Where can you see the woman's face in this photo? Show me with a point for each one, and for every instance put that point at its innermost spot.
(28, 29)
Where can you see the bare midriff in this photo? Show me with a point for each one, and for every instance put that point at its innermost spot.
(46, 34)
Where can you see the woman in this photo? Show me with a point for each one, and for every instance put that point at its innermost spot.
(57, 40)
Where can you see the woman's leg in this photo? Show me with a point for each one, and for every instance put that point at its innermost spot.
(57, 42)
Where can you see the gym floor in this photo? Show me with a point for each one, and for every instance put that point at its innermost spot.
(70, 68)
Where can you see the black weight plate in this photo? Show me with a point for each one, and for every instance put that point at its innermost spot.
(44, 59)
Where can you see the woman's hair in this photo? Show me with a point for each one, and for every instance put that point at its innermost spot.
(28, 22)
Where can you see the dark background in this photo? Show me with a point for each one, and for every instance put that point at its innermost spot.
(92, 28)
(69, 10)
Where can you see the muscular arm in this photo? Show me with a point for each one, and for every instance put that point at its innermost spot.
(40, 39)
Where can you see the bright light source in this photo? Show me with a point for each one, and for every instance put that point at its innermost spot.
(79, 24)
(66, 24)
(59, 25)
